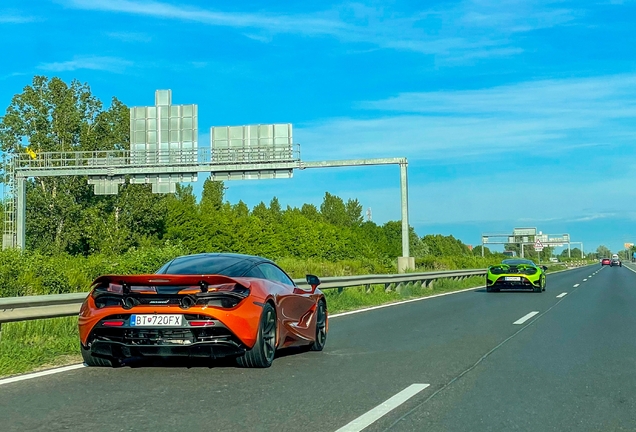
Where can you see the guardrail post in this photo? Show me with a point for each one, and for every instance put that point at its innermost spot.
(340, 290)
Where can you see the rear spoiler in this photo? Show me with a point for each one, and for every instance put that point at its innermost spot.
(167, 280)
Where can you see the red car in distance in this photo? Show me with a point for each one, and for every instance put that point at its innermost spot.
(606, 261)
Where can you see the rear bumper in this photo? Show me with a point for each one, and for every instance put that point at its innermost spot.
(524, 283)
(124, 341)
(111, 349)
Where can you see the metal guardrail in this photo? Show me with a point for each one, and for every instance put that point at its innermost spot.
(62, 305)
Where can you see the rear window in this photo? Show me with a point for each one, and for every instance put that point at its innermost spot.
(517, 262)
(202, 264)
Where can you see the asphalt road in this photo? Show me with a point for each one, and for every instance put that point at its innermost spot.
(571, 366)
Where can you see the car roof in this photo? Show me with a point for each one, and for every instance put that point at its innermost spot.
(226, 255)
(228, 264)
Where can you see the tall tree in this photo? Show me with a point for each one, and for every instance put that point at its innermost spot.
(52, 116)
(333, 210)
(353, 209)
(212, 195)
(603, 251)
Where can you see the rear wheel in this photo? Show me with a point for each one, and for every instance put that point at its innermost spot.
(321, 327)
(261, 355)
(91, 360)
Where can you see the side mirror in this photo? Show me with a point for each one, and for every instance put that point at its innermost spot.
(545, 268)
(313, 281)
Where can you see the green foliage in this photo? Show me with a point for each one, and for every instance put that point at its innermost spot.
(575, 253)
(63, 214)
(28, 345)
(72, 235)
(603, 252)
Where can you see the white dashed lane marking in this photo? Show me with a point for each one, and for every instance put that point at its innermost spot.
(384, 408)
(526, 317)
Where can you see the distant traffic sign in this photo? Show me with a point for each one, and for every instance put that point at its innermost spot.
(538, 246)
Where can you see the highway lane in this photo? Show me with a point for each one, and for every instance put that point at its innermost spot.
(369, 358)
(571, 370)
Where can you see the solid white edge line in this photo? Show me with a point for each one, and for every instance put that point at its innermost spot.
(575, 285)
(563, 294)
(384, 408)
(526, 317)
(41, 373)
(630, 269)
(402, 302)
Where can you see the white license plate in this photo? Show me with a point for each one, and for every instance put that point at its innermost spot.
(156, 320)
(513, 278)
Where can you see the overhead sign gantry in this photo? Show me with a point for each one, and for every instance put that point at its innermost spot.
(528, 236)
(164, 151)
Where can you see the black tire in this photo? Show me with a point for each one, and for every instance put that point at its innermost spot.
(261, 355)
(91, 360)
(321, 327)
(489, 289)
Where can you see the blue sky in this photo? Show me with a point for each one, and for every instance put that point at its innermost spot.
(511, 113)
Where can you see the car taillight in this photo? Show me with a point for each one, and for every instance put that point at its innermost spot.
(115, 288)
(113, 323)
(142, 289)
(201, 323)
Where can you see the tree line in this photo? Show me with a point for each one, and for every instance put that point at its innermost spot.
(65, 217)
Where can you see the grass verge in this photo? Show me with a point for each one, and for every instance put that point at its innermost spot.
(365, 296)
(31, 345)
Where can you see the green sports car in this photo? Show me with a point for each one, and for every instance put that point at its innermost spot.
(516, 274)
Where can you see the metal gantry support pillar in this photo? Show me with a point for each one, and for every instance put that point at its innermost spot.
(405, 262)
(20, 212)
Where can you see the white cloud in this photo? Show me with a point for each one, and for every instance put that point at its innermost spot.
(456, 35)
(607, 96)
(276, 23)
(514, 16)
(547, 116)
(493, 198)
(11, 18)
(101, 63)
(11, 75)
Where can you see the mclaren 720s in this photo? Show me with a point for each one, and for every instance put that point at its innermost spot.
(207, 305)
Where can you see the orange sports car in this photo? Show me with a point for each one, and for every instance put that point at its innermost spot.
(206, 305)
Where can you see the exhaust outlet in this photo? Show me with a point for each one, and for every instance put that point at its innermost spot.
(130, 302)
(187, 302)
